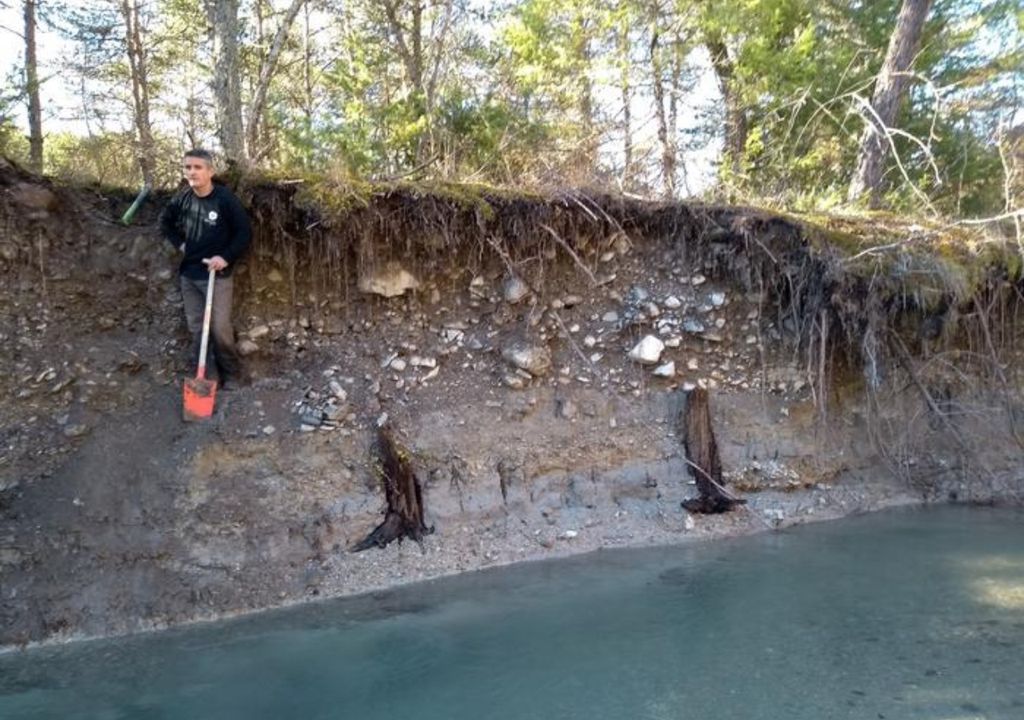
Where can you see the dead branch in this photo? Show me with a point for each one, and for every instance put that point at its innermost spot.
(572, 253)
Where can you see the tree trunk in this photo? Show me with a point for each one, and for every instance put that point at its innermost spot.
(409, 44)
(678, 58)
(35, 112)
(585, 91)
(307, 104)
(438, 53)
(403, 493)
(227, 85)
(735, 116)
(416, 70)
(668, 151)
(267, 68)
(136, 52)
(702, 457)
(422, 53)
(626, 89)
(308, 86)
(411, 56)
(890, 88)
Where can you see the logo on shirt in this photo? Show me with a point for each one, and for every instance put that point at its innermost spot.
(212, 216)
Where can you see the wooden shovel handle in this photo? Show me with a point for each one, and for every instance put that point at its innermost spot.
(207, 315)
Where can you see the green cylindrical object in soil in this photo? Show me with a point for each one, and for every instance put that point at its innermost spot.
(130, 212)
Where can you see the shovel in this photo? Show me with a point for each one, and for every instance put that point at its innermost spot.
(200, 392)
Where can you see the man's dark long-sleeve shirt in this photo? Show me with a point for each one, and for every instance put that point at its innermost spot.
(213, 225)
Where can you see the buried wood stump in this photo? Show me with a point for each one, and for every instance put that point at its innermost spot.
(402, 491)
(702, 457)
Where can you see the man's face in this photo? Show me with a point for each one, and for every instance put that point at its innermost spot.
(198, 172)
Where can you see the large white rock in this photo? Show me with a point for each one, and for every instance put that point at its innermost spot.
(667, 370)
(647, 351)
(389, 280)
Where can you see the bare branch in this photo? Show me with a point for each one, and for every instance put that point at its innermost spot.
(1015, 214)
(888, 133)
(12, 31)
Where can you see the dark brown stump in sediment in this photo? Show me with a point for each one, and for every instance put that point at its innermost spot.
(403, 492)
(702, 457)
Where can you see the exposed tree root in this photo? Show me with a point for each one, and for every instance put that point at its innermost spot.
(404, 515)
(702, 457)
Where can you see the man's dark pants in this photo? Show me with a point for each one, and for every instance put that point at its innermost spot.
(222, 359)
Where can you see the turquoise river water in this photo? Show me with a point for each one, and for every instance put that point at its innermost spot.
(898, 615)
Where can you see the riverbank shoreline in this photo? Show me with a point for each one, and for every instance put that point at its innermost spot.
(744, 522)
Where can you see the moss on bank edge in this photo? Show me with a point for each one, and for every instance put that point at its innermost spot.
(335, 199)
(930, 261)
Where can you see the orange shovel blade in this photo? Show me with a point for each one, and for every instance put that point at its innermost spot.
(198, 399)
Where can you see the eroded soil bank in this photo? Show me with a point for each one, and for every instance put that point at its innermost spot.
(850, 365)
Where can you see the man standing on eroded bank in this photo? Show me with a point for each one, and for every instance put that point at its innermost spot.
(208, 224)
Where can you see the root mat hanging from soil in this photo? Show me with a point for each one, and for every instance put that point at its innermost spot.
(702, 457)
(404, 495)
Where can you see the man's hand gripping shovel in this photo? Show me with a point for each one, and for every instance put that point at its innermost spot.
(199, 392)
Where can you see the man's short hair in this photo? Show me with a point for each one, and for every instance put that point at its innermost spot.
(201, 154)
